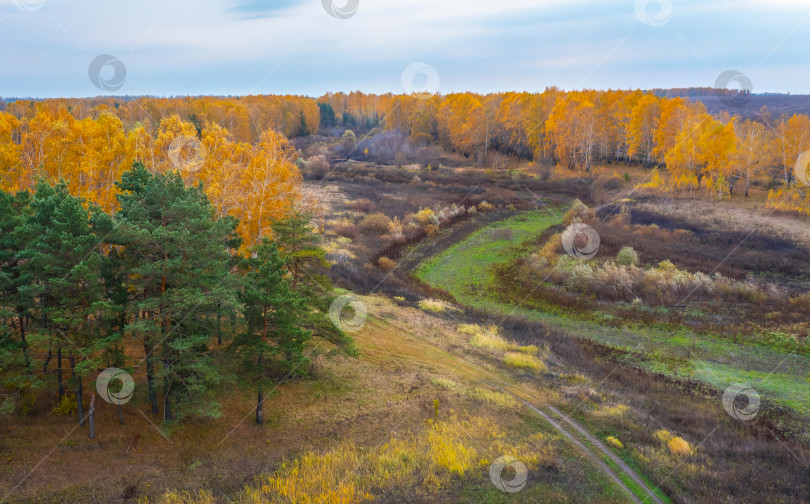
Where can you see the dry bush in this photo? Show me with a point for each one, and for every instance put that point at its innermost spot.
(375, 223)
(679, 447)
(609, 182)
(363, 205)
(485, 207)
(386, 264)
(427, 216)
(347, 230)
(317, 167)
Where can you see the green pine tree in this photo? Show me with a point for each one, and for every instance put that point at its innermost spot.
(62, 266)
(273, 343)
(178, 257)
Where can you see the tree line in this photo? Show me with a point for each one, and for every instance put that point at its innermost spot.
(99, 138)
(158, 287)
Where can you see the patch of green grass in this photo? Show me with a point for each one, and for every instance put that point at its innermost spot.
(466, 270)
(466, 266)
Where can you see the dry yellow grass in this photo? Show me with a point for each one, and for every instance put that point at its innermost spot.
(435, 305)
(679, 446)
(202, 497)
(426, 460)
(497, 398)
(488, 337)
(523, 361)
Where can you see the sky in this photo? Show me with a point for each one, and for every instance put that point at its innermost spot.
(79, 48)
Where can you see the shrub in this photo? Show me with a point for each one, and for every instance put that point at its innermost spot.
(66, 406)
(523, 361)
(679, 446)
(386, 264)
(426, 216)
(362, 205)
(612, 441)
(346, 230)
(317, 167)
(485, 207)
(375, 223)
(627, 257)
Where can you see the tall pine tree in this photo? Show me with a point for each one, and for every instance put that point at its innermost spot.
(177, 255)
(273, 343)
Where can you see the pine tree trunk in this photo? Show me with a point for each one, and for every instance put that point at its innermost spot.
(24, 343)
(167, 404)
(77, 388)
(260, 398)
(91, 416)
(47, 360)
(59, 373)
(150, 376)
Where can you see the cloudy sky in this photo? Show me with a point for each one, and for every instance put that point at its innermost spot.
(236, 47)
